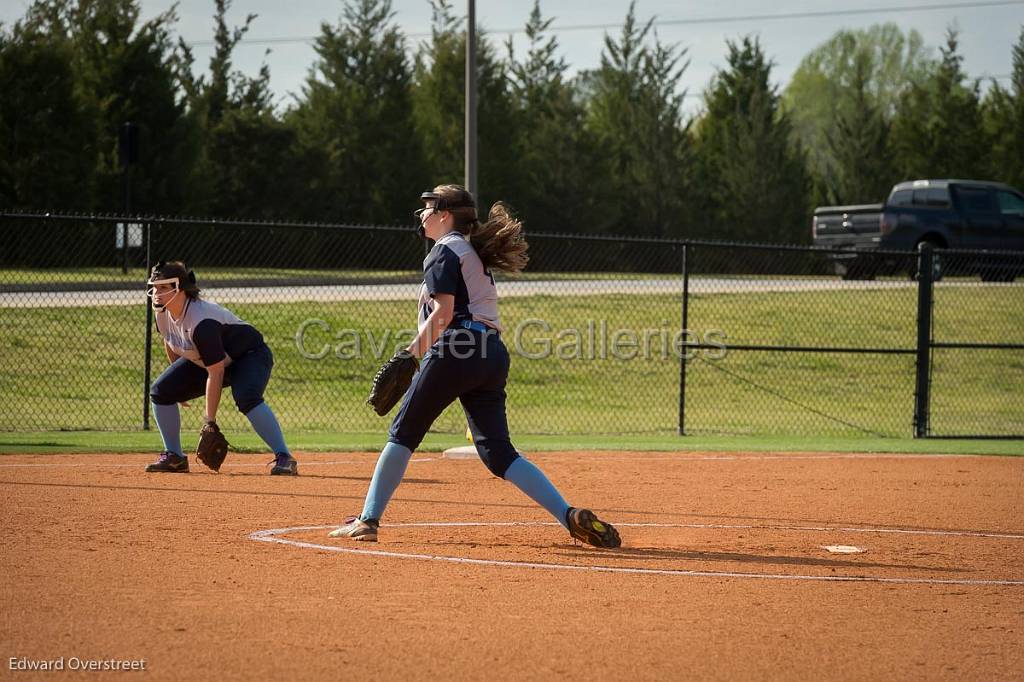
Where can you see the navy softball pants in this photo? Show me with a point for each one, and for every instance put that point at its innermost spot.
(471, 366)
(247, 376)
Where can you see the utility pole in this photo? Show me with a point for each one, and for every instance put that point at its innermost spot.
(470, 180)
(128, 151)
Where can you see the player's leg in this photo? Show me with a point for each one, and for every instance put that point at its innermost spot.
(183, 380)
(434, 387)
(248, 377)
(485, 411)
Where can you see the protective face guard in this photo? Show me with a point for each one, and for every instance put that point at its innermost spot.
(440, 204)
(152, 292)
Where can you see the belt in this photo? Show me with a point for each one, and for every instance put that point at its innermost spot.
(477, 327)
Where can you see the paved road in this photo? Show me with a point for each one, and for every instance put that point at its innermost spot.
(408, 292)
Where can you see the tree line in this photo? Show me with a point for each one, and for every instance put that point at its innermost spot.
(606, 150)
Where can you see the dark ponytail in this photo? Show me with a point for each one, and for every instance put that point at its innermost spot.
(499, 242)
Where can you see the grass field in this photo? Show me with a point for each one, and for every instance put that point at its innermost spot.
(244, 440)
(83, 368)
(114, 277)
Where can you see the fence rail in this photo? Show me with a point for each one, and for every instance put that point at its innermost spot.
(608, 334)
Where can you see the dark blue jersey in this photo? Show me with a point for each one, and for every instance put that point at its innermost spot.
(453, 267)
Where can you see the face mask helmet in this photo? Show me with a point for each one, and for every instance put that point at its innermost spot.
(441, 203)
(174, 275)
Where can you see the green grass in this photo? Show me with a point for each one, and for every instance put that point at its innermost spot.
(78, 277)
(115, 277)
(81, 368)
(56, 442)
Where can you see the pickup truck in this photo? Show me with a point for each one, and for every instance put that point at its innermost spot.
(947, 214)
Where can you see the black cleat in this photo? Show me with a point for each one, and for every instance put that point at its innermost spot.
(284, 465)
(585, 526)
(169, 463)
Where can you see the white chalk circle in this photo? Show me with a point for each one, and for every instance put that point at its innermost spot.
(275, 536)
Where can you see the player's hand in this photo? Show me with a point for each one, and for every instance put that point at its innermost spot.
(212, 447)
(391, 381)
(185, 404)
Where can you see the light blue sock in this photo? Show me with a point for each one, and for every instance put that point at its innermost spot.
(525, 475)
(386, 477)
(168, 420)
(265, 423)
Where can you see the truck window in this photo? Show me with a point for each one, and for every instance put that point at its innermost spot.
(932, 197)
(1010, 203)
(904, 197)
(938, 197)
(976, 200)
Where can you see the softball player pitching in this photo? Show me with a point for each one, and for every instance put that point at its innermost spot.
(208, 347)
(464, 358)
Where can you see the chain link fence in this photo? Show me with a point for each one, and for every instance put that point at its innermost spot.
(775, 341)
(976, 376)
(783, 345)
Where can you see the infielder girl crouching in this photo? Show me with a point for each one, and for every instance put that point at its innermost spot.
(208, 347)
(463, 357)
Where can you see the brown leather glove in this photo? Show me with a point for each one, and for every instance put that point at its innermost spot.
(392, 381)
(212, 447)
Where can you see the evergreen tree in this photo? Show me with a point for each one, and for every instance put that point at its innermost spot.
(634, 115)
(47, 135)
(126, 71)
(884, 59)
(937, 132)
(754, 175)
(260, 170)
(209, 99)
(1003, 117)
(248, 164)
(438, 96)
(439, 109)
(354, 119)
(553, 151)
(858, 144)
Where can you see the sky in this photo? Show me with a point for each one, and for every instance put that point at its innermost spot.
(286, 28)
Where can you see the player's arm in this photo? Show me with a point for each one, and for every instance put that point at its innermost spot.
(171, 355)
(441, 278)
(214, 385)
(438, 320)
(210, 345)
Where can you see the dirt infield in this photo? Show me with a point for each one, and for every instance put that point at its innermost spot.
(722, 574)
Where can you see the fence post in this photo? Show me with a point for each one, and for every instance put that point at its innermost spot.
(683, 348)
(926, 278)
(149, 340)
(128, 153)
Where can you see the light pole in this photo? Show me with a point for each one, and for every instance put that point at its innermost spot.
(470, 179)
(128, 151)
